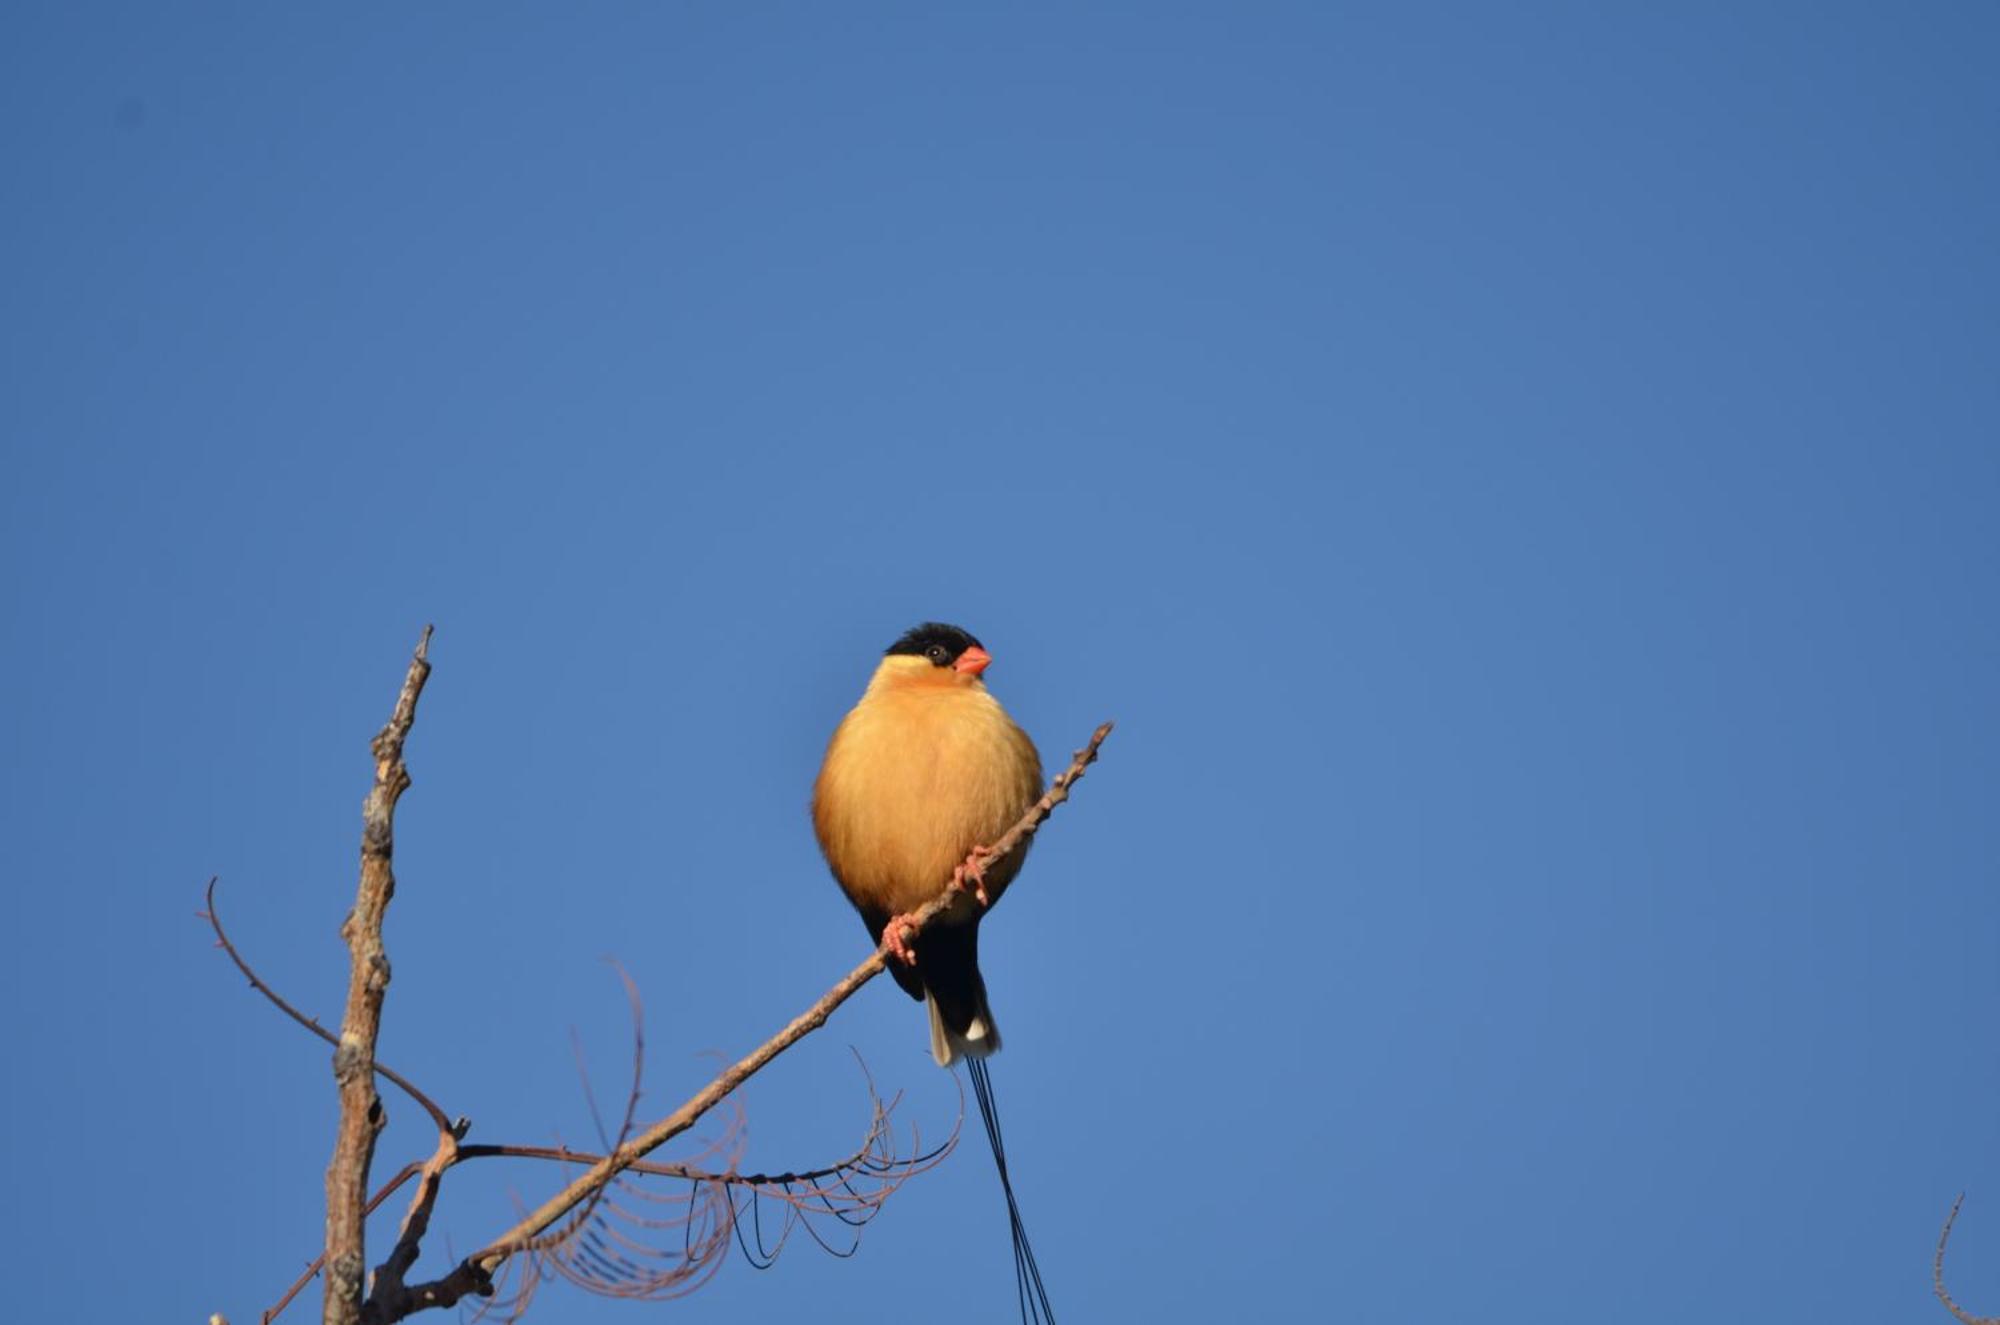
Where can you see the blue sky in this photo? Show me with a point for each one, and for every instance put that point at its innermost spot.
(1523, 478)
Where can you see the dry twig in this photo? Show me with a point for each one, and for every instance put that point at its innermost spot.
(277, 1000)
(1937, 1273)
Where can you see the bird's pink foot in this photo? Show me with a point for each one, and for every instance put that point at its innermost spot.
(896, 937)
(970, 876)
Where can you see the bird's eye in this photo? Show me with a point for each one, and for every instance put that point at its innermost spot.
(935, 653)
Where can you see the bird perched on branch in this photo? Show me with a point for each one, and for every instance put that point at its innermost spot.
(919, 779)
(925, 772)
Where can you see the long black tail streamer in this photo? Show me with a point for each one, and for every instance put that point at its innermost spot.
(1035, 1308)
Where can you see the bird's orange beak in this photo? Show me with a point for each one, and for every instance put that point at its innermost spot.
(973, 661)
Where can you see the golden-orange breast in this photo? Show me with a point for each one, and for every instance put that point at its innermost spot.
(915, 777)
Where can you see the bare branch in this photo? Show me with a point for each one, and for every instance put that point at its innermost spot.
(629, 1248)
(590, 1249)
(214, 919)
(1937, 1273)
(582, 1216)
(361, 1115)
(475, 1274)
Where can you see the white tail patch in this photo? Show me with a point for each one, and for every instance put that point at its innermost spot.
(981, 1038)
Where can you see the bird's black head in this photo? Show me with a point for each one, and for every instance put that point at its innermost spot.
(934, 640)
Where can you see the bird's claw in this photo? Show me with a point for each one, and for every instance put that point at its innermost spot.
(970, 876)
(894, 944)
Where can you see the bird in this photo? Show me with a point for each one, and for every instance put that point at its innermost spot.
(920, 777)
